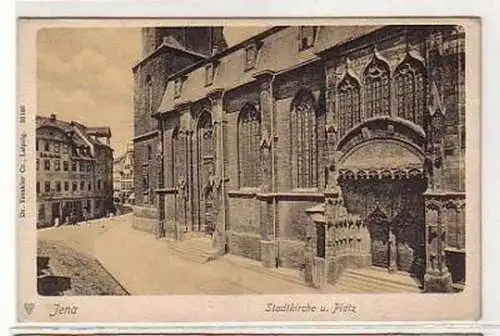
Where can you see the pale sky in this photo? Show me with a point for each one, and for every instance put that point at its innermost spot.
(84, 74)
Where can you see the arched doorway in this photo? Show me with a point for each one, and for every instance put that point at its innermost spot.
(206, 172)
(382, 181)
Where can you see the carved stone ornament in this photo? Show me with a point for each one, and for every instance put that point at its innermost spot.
(181, 187)
(159, 151)
(265, 141)
(215, 182)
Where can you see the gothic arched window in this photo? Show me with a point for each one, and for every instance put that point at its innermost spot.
(249, 136)
(205, 134)
(377, 89)
(149, 95)
(349, 105)
(304, 141)
(410, 90)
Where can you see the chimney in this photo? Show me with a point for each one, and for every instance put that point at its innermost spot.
(52, 116)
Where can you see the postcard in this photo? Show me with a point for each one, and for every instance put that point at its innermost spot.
(189, 170)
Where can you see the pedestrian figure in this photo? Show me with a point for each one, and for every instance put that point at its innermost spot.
(73, 218)
(85, 215)
(308, 261)
(56, 221)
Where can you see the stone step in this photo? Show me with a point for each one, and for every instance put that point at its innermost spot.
(287, 274)
(374, 281)
(194, 251)
(396, 279)
(350, 286)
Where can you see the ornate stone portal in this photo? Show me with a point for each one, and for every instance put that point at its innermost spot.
(379, 210)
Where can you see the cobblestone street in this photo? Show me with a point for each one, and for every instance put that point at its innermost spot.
(145, 265)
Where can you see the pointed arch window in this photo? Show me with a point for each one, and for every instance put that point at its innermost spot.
(149, 95)
(205, 134)
(304, 141)
(249, 136)
(377, 89)
(349, 103)
(410, 90)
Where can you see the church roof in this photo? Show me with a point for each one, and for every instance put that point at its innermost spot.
(273, 55)
(170, 43)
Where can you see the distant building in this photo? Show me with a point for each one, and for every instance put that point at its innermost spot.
(74, 171)
(123, 176)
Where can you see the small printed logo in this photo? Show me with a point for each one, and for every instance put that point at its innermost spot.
(29, 307)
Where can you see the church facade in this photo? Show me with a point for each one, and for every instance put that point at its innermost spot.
(319, 148)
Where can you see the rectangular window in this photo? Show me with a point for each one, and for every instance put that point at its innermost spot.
(89, 167)
(65, 148)
(57, 165)
(307, 35)
(37, 164)
(177, 87)
(36, 144)
(82, 166)
(75, 186)
(82, 185)
(250, 56)
(99, 185)
(58, 186)
(47, 186)
(57, 147)
(209, 74)
(66, 185)
(38, 187)
(65, 165)
(46, 146)
(73, 166)
(46, 164)
(90, 186)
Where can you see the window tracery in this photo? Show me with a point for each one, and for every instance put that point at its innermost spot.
(304, 141)
(377, 89)
(249, 136)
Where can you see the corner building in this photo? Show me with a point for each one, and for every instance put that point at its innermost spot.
(73, 171)
(346, 143)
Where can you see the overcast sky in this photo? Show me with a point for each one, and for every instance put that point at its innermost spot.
(84, 74)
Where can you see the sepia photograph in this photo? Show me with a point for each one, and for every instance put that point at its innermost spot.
(220, 159)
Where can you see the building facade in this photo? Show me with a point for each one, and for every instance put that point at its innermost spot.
(73, 171)
(123, 176)
(347, 141)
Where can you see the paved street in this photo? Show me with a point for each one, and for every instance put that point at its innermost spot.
(143, 264)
